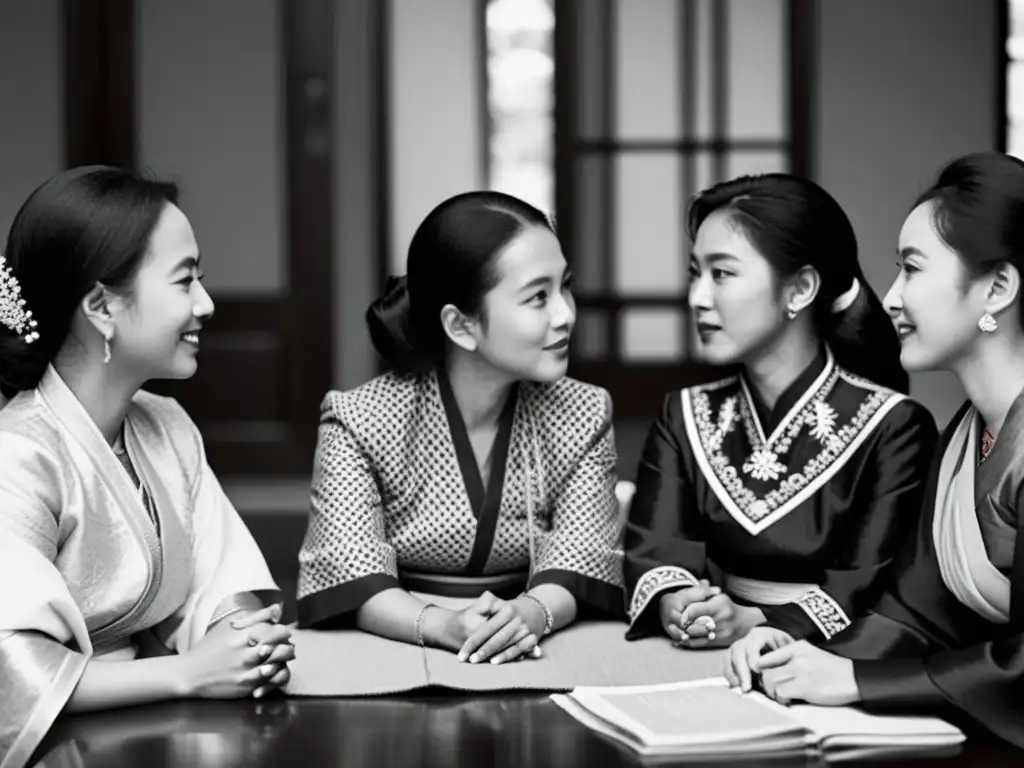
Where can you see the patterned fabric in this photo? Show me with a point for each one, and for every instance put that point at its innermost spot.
(811, 498)
(389, 492)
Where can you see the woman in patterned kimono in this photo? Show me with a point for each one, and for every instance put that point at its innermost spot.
(474, 467)
(119, 553)
(948, 636)
(778, 495)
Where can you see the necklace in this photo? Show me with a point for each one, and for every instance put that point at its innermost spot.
(988, 442)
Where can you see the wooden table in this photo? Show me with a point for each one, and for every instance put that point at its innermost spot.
(434, 728)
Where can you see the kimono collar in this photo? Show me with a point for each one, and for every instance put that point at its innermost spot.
(1006, 454)
(791, 396)
(69, 409)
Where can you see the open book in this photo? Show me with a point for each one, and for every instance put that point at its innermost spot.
(708, 718)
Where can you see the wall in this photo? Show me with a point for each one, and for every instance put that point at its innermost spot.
(903, 87)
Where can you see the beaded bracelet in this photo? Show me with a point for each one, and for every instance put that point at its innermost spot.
(419, 623)
(549, 620)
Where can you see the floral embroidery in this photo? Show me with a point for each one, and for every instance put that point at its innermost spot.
(655, 581)
(824, 612)
(765, 462)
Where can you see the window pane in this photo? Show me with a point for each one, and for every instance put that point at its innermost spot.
(590, 22)
(705, 75)
(647, 85)
(742, 163)
(520, 71)
(590, 337)
(591, 246)
(648, 223)
(652, 334)
(757, 43)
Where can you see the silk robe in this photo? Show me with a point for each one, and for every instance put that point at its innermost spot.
(84, 572)
(397, 491)
(948, 636)
(798, 511)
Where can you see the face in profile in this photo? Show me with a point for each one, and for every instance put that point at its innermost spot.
(934, 303)
(529, 315)
(159, 333)
(733, 296)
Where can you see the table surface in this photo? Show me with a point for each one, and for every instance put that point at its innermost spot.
(434, 728)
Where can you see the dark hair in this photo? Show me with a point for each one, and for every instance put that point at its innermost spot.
(84, 226)
(979, 210)
(794, 223)
(452, 260)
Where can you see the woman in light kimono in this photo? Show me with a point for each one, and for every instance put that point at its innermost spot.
(119, 553)
(948, 636)
(790, 484)
(475, 467)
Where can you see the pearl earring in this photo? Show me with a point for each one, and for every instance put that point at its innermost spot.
(792, 313)
(987, 323)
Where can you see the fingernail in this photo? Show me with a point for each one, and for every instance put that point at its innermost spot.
(265, 650)
(257, 693)
(275, 612)
(711, 635)
(267, 670)
(253, 641)
(495, 660)
(474, 659)
(462, 656)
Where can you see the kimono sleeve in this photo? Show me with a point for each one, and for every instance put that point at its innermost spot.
(346, 557)
(583, 550)
(44, 642)
(227, 562)
(664, 548)
(888, 505)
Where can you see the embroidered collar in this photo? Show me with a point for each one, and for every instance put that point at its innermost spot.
(791, 396)
(761, 478)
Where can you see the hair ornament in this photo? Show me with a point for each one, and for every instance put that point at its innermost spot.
(12, 307)
(845, 300)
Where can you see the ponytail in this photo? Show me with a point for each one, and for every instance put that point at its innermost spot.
(387, 320)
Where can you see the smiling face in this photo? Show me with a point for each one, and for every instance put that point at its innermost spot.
(737, 308)
(529, 315)
(157, 334)
(934, 302)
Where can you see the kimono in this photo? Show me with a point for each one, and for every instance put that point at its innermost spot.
(397, 499)
(948, 635)
(798, 511)
(93, 567)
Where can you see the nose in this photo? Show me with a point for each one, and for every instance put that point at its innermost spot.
(563, 311)
(203, 307)
(893, 301)
(700, 292)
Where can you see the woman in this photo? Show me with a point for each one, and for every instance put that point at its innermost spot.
(789, 485)
(948, 635)
(474, 466)
(133, 555)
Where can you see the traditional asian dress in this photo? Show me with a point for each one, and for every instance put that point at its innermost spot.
(102, 558)
(948, 636)
(397, 498)
(798, 510)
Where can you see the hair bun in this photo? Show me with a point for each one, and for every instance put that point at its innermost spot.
(387, 319)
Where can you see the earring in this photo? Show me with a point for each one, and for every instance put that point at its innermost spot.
(106, 350)
(987, 323)
(792, 313)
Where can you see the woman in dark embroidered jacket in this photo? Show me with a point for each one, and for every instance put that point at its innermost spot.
(474, 457)
(947, 636)
(776, 496)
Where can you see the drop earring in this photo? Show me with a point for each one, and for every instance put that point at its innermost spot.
(792, 313)
(106, 349)
(987, 323)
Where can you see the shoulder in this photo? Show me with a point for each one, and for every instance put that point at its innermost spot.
(33, 450)
(568, 399)
(389, 396)
(893, 414)
(158, 414)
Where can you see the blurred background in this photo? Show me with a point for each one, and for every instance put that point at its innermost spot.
(310, 137)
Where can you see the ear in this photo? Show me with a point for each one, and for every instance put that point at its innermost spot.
(802, 288)
(462, 330)
(99, 309)
(1004, 290)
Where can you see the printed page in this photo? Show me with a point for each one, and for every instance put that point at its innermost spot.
(706, 712)
(837, 726)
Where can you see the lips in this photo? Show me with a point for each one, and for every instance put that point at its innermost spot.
(192, 337)
(705, 329)
(559, 345)
(904, 329)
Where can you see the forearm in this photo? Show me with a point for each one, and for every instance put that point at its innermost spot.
(393, 613)
(113, 684)
(241, 602)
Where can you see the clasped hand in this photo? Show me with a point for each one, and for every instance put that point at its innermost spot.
(703, 616)
(496, 630)
(247, 655)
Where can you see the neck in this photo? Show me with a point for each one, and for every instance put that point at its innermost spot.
(102, 392)
(993, 377)
(479, 389)
(773, 370)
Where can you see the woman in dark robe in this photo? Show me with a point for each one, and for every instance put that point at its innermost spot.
(790, 484)
(948, 636)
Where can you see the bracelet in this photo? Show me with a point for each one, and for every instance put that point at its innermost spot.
(549, 620)
(419, 623)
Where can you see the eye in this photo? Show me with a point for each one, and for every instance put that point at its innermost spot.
(718, 274)
(200, 276)
(692, 272)
(186, 280)
(567, 283)
(540, 297)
